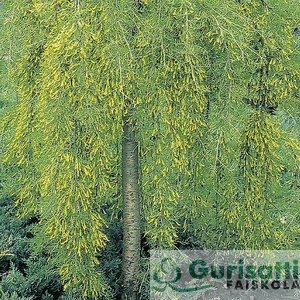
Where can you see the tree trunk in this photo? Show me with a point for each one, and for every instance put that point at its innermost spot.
(131, 212)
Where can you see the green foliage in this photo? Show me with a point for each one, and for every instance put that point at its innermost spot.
(272, 79)
(48, 159)
(23, 273)
(169, 114)
(211, 88)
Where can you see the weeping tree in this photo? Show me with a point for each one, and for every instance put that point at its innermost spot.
(272, 80)
(77, 92)
(252, 154)
(173, 85)
(73, 76)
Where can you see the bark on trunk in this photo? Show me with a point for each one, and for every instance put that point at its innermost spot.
(131, 212)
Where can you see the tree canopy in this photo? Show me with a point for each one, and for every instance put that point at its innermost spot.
(210, 89)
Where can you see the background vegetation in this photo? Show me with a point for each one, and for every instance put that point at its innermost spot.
(206, 92)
